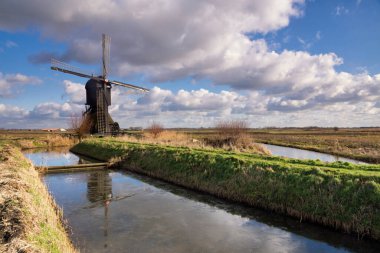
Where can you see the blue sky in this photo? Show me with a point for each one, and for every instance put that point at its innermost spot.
(271, 63)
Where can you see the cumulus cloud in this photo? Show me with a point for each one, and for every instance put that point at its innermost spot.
(52, 110)
(10, 84)
(76, 92)
(197, 108)
(9, 112)
(145, 35)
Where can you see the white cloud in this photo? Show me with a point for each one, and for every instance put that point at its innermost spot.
(318, 35)
(306, 45)
(10, 84)
(76, 92)
(341, 10)
(202, 107)
(52, 110)
(10, 44)
(9, 112)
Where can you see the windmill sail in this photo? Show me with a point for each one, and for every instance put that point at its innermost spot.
(131, 86)
(106, 46)
(69, 69)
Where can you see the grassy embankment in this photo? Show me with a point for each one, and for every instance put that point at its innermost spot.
(30, 221)
(357, 143)
(242, 143)
(35, 139)
(340, 195)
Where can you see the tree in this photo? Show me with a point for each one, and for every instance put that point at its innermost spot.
(231, 128)
(230, 132)
(80, 124)
(155, 129)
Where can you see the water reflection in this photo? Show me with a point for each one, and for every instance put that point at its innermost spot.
(54, 156)
(99, 194)
(119, 212)
(306, 154)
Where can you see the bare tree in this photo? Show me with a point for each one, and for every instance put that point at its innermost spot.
(231, 128)
(80, 124)
(155, 129)
(230, 132)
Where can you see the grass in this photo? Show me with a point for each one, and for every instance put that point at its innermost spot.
(180, 139)
(358, 143)
(362, 144)
(340, 195)
(30, 221)
(35, 139)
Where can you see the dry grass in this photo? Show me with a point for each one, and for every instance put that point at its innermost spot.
(179, 139)
(30, 221)
(47, 140)
(57, 141)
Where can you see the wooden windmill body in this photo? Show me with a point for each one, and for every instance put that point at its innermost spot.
(98, 94)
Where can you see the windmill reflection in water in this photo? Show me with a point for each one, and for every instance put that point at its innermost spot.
(99, 194)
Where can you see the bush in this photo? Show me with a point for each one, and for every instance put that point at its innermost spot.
(230, 133)
(155, 129)
(81, 124)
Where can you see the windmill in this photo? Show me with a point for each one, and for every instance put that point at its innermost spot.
(98, 93)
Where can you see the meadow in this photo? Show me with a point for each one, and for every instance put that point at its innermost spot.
(357, 143)
(27, 139)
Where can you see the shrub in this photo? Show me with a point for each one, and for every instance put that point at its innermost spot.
(155, 129)
(230, 133)
(81, 124)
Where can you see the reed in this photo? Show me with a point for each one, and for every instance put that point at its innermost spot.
(180, 139)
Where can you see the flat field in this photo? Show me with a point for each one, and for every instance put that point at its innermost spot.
(36, 138)
(356, 143)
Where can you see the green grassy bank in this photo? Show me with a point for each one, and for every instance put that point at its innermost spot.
(30, 221)
(340, 195)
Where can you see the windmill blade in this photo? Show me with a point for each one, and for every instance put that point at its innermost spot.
(131, 86)
(106, 46)
(67, 68)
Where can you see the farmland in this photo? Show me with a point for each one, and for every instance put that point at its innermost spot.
(26, 139)
(357, 143)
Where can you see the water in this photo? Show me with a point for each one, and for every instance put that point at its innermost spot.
(306, 154)
(54, 157)
(113, 211)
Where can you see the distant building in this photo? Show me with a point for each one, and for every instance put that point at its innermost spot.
(50, 129)
(136, 128)
(54, 130)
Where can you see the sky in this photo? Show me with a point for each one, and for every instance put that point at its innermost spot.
(282, 63)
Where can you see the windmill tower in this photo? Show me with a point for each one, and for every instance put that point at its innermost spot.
(98, 93)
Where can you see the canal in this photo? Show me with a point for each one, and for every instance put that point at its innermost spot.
(116, 211)
(306, 154)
